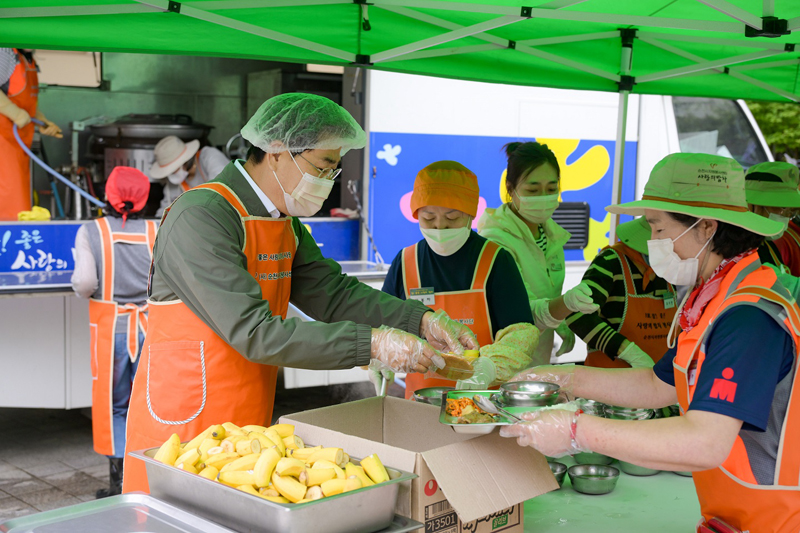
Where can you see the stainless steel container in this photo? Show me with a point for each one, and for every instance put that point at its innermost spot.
(592, 458)
(636, 470)
(627, 413)
(365, 510)
(559, 470)
(593, 479)
(592, 407)
(529, 393)
(431, 395)
(127, 513)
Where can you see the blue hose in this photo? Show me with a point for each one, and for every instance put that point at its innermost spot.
(52, 172)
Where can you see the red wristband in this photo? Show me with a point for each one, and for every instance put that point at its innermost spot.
(573, 430)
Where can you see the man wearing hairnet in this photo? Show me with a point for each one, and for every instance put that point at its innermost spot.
(228, 259)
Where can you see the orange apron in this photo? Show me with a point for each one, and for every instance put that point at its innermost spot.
(190, 378)
(103, 315)
(15, 172)
(731, 492)
(646, 319)
(469, 307)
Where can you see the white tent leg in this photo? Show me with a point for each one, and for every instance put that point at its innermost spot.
(619, 147)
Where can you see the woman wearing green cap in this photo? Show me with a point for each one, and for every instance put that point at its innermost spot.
(732, 368)
(636, 306)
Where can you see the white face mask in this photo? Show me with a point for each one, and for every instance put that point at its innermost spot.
(537, 209)
(668, 265)
(307, 198)
(783, 220)
(446, 242)
(178, 177)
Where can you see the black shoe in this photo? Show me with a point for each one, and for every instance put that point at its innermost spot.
(115, 479)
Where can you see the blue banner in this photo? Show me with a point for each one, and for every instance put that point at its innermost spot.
(337, 238)
(37, 255)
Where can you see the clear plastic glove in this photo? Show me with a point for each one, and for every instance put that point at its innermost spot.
(402, 351)
(50, 129)
(378, 372)
(550, 431)
(485, 374)
(567, 339)
(579, 299)
(445, 334)
(561, 375)
(636, 357)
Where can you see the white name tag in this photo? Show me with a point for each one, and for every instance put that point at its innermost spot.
(425, 295)
(669, 301)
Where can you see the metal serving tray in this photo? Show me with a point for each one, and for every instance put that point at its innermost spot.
(366, 510)
(127, 513)
(478, 429)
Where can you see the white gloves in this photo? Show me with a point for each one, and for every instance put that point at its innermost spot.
(567, 339)
(579, 299)
(541, 315)
(402, 351)
(636, 357)
(378, 372)
(485, 374)
(445, 334)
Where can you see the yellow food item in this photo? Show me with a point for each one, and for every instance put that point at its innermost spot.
(209, 472)
(316, 476)
(248, 462)
(374, 468)
(289, 487)
(265, 466)
(353, 470)
(352, 483)
(189, 458)
(235, 478)
(284, 430)
(332, 487)
(290, 467)
(168, 452)
(471, 355)
(221, 459)
(334, 455)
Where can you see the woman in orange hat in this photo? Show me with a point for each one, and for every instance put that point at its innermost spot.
(455, 270)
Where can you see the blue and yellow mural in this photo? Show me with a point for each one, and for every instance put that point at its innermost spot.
(395, 159)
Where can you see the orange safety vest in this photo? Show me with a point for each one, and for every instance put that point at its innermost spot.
(470, 307)
(190, 378)
(103, 314)
(730, 492)
(15, 173)
(646, 319)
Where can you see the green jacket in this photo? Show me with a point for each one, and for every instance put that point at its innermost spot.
(199, 260)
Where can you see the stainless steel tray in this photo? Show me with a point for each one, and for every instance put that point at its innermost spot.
(477, 429)
(365, 510)
(127, 513)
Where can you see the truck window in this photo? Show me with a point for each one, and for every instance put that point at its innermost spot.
(714, 126)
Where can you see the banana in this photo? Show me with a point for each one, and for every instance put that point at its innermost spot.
(248, 462)
(305, 453)
(471, 355)
(293, 442)
(374, 468)
(334, 455)
(209, 472)
(186, 467)
(290, 467)
(207, 444)
(352, 483)
(332, 487)
(253, 427)
(345, 460)
(195, 442)
(246, 446)
(221, 459)
(270, 492)
(168, 451)
(265, 466)
(230, 442)
(189, 458)
(276, 439)
(284, 430)
(290, 488)
(218, 432)
(328, 464)
(235, 478)
(314, 493)
(352, 470)
(279, 499)
(249, 490)
(232, 429)
(265, 441)
(316, 476)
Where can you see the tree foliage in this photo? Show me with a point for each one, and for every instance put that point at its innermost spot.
(780, 124)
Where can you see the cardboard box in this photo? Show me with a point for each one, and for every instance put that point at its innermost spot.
(465, 484)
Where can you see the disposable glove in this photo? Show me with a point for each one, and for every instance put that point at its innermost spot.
(567, 339)
(548, 430)
(636, 357)
(561, 375)
(541, 315)
(579, 299)
(445, 334)
(16, 114)
(378, 372)
(512, 350)
(402, 351)
(485, 374)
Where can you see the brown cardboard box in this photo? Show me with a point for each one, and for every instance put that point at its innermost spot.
(465, 484)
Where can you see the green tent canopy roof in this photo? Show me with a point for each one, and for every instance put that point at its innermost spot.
(679, 47)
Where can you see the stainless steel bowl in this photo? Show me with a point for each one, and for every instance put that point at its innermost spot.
(684, 474)
(627, 413)
(529, 393)
(431, 395)
(559, 470)
(591, 458)
(636, 470)
(593, 479)
(592, 407)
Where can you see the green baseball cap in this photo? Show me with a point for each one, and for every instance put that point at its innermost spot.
(773, 184)
(635, 234)
(702, 186)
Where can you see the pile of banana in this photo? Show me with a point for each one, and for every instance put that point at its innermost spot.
(270, 462)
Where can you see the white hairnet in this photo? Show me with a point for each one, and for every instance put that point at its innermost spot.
(299, 121)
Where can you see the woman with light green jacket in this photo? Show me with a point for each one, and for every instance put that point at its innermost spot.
(525, 227)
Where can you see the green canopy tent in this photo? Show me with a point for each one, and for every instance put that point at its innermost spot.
(710, 48)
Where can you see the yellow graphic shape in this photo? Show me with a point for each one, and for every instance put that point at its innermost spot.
(581, 174)
(598, 237)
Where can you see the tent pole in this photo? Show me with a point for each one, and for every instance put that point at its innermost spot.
(622, 123)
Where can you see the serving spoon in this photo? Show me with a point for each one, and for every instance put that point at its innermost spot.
(490, 407)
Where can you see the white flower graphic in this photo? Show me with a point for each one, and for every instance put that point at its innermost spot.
(389, 153)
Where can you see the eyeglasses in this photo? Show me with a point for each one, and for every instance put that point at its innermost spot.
(324, 173)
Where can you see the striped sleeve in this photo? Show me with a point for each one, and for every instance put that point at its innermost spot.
(8, 62)
(599, 330)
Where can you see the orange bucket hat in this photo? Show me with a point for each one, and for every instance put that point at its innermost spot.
(446, 184)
